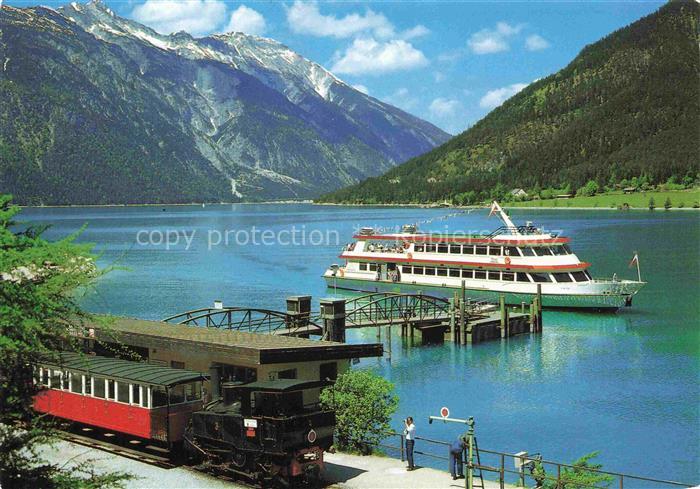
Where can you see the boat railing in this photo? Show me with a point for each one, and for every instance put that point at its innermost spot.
(515, 230)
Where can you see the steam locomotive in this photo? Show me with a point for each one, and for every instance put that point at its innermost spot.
(271, 433)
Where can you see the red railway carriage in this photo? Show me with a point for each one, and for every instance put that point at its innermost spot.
(147, 401)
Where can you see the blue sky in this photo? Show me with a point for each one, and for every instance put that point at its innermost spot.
(447, 62)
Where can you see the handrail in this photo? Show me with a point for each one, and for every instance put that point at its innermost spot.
(502, 470)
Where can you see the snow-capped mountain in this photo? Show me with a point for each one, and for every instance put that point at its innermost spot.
(234, 116)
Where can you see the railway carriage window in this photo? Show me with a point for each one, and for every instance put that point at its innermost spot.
(522, 277)
(55, 379)
(87, 385)
(419, 248)
(430, 248)
(511, 251)
(290, 373)
(429, 271)
(494, 275)
(123, 392)
(480, 274)
(135, 394)
(65, 381)
(562, 277)
(363, 267)
(418, 270)
(494, 250)
(44, 376)
(527, 251)
(508, 277)
(159, 397)
(442, 272)
(467, 273)
(454, 272)
(99, 387)
(540, 277)
(111, 389)
(579, 276)
(177, 394)
(457, 249)
(481, 250)
(76, 384)
(443, 248)
(193, 391)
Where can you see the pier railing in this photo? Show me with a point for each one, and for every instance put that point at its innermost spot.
(503, 467)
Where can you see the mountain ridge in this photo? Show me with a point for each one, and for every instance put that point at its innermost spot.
(217, 118)
(626, 106)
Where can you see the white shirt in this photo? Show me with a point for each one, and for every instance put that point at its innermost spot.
(410, 432)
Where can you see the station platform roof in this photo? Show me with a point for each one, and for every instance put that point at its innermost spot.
(257, 348)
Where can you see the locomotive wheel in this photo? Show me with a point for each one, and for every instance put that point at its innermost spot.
(238, 459)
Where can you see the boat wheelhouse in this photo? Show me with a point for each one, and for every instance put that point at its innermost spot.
(511, 261)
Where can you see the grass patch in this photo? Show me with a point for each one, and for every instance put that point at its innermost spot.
(637, 200)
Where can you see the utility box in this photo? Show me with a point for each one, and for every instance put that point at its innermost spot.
(333, 317)
(298, 310)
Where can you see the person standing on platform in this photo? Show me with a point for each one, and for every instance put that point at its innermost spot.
(456, 449)
(410, 432)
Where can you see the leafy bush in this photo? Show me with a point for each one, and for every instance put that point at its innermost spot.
(572, 478)
(364, 403)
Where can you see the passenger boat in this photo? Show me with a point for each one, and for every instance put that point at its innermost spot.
(511, 261)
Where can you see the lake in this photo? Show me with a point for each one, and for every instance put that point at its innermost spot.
(626, 383)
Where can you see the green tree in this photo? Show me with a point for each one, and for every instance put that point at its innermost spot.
(667, 203)
(588, 190)
(38, 308)
(652, 203)
(364, 403)
(580, 475)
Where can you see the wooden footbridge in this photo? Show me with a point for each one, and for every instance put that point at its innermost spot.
(433, 317)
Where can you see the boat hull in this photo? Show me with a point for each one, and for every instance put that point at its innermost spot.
(566, 301)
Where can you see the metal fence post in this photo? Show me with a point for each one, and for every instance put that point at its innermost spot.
(502, 475)
(403, 455)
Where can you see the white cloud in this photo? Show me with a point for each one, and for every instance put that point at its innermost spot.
(494, 98)
(418, 31)
(368, 56)
(442, 107)
(536, 42)
(247, 20)
(361, 88)
(193, 16)
(305, 18)
(488, 41)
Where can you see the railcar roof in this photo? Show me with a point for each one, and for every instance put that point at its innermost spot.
(125, 369)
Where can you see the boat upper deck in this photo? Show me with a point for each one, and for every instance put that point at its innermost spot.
(518, 239)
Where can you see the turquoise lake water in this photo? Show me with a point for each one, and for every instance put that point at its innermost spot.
(627, 384)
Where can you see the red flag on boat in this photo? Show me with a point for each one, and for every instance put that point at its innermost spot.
(635, 261)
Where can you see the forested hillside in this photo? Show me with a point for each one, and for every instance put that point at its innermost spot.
(626, 107)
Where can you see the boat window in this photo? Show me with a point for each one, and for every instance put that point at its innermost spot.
(76, 384)
(567, 249)
(508, 277)
(454, 272)
(429, 271)
(123, 392)
(588, 275)
(406, 269)
(558, 250)
(110, 389)
(442, 272)
(418, 247)
(542, 251)
(430, 248)
(494, 275)
(527, 251)
(418, 270)
(494, 250)
(135, 394)
(540, 277)
(467, 273)
(159, 397)
(363, 266)
(510, 251)
(99, 387)
(579, 276)
(177, 394)
(372, 267)
(522, 277)
(467, 249)
(455, 249)
(482, 250)
(480, 274)
(562, 277)
(443, 248)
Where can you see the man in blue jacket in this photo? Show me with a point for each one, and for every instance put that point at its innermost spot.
(456, 449)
